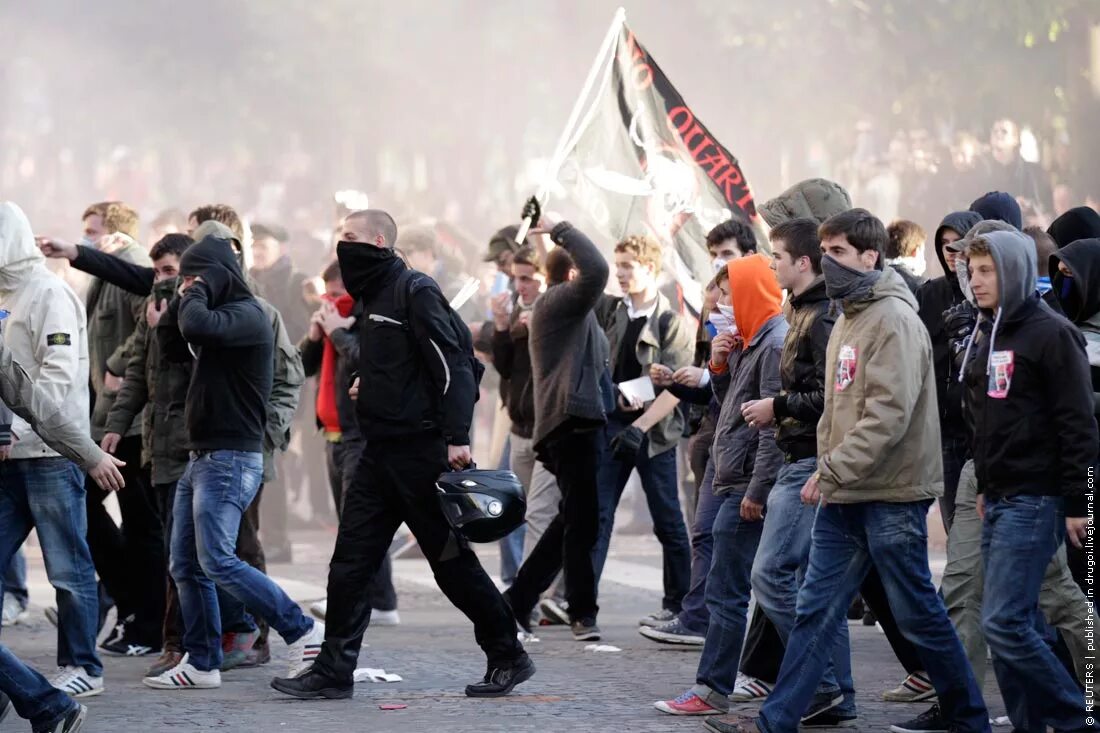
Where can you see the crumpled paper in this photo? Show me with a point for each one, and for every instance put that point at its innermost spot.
(366, 674)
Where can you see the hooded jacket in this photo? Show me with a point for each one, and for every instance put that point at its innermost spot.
(49, 420)
(799, 405)
(814, 198)
(45, 331)
(1080, 297)
(569, 350)
(933, 298)
(113, 314)
(1081, 222)
(1028, 389)
(745, 458)
(229, 333)
(999, 206)
(879, 436)
(168, 397)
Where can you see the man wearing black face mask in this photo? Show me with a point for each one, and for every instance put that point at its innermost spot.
(416, 398)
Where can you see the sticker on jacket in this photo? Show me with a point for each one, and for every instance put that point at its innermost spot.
(59, 339)
(846, 367)
(1000, 373)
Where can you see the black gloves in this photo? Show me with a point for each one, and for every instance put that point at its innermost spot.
(625, 445)
(958, 322)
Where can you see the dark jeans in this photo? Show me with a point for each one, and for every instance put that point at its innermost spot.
(343, 457)
(658, 475)
(847, 540)
(31, 693)
(47, 494)
(395, 483)
(780, 567)
(569, 542)
(874, 595)
(15, 580)
(130, 559)
(1020, 536)
(211, 498)
(728, 589)
(956, 451)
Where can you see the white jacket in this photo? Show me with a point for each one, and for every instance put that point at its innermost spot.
(46, 330)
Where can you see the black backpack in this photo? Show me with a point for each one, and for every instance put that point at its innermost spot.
(408, 283)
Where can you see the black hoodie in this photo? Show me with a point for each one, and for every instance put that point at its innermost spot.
(934, 297)
(1081, 222)
(1080, 298)
(234, 348)
(1027, 390)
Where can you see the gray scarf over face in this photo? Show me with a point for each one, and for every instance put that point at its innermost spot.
(842, 283)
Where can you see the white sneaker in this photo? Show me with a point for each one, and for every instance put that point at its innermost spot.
(184, 677)
(319, 609)
(301, 653)
(749, 689)
(14, 613)
(384, 618)
(75, 682)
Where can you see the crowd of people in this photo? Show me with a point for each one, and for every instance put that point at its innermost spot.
(826, 396)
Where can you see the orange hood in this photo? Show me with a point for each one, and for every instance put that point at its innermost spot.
(755, 294)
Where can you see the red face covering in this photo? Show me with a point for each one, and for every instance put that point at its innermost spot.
(327, 412)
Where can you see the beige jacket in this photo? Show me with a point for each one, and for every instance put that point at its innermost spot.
(879, 437)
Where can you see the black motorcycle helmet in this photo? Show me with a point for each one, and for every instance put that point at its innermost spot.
(482, 506)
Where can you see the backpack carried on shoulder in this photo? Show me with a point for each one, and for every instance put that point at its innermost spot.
(408, 284)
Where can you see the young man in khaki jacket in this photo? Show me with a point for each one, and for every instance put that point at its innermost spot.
(879, 470)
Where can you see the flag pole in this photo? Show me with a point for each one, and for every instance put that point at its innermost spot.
(586, 91)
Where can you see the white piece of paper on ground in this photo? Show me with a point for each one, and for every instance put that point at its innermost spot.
(602, 648)
(640, 389)
(366, 674)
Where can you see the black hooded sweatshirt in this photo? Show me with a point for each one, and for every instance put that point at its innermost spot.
(1027, 390)
(234, 348)
(1081, 222)
(934, 297)
(1080, 298)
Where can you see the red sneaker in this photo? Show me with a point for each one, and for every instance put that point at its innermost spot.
(687, 704)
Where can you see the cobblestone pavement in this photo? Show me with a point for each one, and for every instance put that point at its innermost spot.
(433, 650)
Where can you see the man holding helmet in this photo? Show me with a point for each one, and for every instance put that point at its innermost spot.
(417, 388)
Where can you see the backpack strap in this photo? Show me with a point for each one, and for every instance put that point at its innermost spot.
(407, 284)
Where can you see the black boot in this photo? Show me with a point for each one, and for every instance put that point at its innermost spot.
(499, 681)
(311, 685)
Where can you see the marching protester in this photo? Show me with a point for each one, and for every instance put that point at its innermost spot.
(744, 463)
(34, 698)
(46, 333)
(643, 329)
(330, 351)
(569, 356)
(1034, 446)
(416, 395)
(129, 560)
(512, 360)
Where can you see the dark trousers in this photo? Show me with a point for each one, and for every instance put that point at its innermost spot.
(874, 595)
(571, 538)
(394, 483)
(130, 560)
(248, 548)
(343, 457)
(956, 451)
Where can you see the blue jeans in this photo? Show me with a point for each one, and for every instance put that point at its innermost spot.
(847, 539)
(728, 588)
(34, 698)
(780, 567)
(15, 580)
(659, 482)
(693, 611)
(215, 490)
(48, 494)
(1020, 535)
